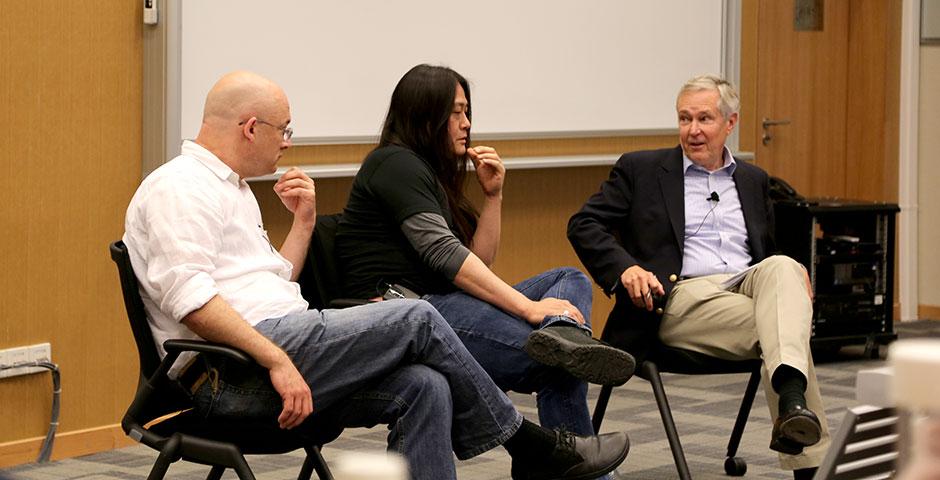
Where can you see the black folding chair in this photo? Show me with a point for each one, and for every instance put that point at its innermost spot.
(675, 360)
(161, 415)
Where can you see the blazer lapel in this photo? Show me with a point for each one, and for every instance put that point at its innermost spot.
(672, 183)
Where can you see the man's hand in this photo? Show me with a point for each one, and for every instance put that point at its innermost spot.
(641, 285)
(298, 401)
(489, 169)
(299, 194)
(537, 311)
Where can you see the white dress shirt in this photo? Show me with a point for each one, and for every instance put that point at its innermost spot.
(193, 230)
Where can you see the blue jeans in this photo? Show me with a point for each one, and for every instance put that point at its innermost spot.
(396, 363)
(495, 339)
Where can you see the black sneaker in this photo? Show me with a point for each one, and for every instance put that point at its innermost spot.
(576, 458)
(575, 351)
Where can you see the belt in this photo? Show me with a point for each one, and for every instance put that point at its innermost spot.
(194, 374)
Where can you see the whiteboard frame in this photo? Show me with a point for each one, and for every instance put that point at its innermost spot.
(168, 66)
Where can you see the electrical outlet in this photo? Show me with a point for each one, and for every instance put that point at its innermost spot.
(39, 353)
(14, 356)
(4, 362)
(23, 356)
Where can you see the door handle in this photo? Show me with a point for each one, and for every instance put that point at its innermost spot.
(766, 123)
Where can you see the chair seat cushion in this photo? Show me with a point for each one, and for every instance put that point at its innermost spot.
(688, 362)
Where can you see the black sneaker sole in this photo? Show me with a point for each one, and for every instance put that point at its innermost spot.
(598, 363)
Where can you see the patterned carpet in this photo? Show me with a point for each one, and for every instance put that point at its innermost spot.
(704, 408)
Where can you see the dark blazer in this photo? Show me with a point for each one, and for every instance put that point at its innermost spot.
(638, 218)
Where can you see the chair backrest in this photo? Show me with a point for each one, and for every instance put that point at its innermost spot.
(136, 314)
(320, 280)
(172, 399)
(866, 446)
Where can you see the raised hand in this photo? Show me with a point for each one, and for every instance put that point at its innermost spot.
(298, 193)
(489, 169)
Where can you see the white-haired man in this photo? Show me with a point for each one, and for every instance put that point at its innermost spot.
(678, 224)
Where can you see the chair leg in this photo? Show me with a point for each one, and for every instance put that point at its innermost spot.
(314, 461)
(739, 423)
(168, 455)
(652, 373)
(240, 465)
(736, 466)
(601, 407)
(216, 472)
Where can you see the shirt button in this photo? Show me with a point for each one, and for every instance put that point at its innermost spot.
(659, 311)
(673, 278)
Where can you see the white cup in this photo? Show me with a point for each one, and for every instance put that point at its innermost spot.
(916, 365)
(369, 466)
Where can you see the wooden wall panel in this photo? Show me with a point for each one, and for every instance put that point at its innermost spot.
(70, 86)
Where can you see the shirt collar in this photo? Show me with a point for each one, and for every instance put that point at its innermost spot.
(212, 162)
(729, 163)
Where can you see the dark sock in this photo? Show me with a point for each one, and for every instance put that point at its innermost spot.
(790, 384)
(804, 473)
(530, 442)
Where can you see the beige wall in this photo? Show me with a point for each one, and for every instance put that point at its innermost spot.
(929, 174)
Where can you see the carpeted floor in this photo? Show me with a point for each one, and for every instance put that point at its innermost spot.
(704, 408)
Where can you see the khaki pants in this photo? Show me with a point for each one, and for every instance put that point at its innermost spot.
(767, 316)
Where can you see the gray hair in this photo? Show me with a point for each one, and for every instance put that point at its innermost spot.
(728, 101)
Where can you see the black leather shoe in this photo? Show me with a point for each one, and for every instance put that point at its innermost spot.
(575, 351)
(576, 458)
(795, 430)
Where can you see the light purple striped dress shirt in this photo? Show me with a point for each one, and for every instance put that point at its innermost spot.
(715, 233)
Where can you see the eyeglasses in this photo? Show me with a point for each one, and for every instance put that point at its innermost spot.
(286, 131)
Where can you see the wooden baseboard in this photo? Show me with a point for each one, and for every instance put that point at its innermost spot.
(928, 312)
(67, 445)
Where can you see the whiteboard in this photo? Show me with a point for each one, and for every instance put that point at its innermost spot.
(536, 67)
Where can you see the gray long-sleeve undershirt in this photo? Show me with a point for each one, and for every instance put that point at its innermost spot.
(436, 245)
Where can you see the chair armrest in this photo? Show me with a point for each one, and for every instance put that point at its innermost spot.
(175, 347)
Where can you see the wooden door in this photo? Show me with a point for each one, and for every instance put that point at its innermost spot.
(838, 88)
(801, 79)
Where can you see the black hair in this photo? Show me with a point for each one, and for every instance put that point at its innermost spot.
(417, 119)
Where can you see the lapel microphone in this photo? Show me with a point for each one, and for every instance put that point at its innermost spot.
(712, 198)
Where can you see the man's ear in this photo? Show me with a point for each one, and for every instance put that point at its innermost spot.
(732, 121)
(248, 128)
